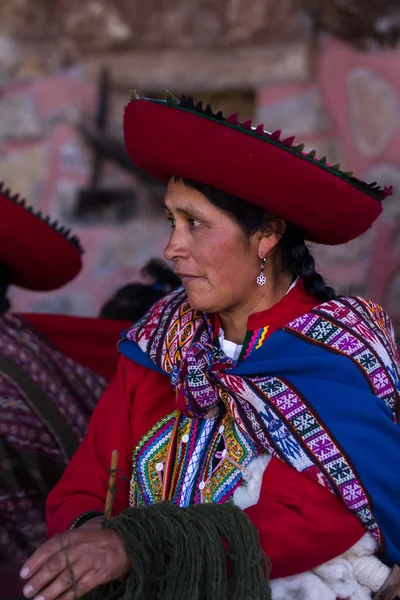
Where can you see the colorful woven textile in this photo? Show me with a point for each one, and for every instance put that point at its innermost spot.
(38, 431)
(322, 394)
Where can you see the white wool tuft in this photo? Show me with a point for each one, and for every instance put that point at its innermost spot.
(306, 586)
(366, 545)
(338, 576)
(368, 570)
(355, 575)
(362, 593)
(249, 493)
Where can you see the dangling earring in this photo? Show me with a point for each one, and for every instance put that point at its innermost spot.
(261, 279)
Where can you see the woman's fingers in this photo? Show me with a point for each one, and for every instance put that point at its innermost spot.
(71, 580)
(94, 556)
(57, 570)
(48, 550)
(85, 585)
(48, 572)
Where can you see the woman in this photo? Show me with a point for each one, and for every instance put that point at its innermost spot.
(252, 387)
(53, 369)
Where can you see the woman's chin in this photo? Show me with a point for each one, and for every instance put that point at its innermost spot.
(199, 302)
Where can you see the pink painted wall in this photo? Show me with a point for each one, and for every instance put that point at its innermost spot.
(349, 112)
(45, 160)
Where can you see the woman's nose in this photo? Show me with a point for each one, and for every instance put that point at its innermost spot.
(176, 248)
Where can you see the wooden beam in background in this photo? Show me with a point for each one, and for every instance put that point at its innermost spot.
(248, 67)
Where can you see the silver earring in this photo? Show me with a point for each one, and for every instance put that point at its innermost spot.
(261, 279)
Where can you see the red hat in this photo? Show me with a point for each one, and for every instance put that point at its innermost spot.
(40, 254)
(172, 137)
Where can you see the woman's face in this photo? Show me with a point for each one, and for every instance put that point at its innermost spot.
(217, 262)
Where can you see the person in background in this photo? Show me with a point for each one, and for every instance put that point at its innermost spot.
(53, 369)
(131, 302)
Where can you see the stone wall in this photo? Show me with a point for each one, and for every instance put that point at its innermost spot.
(51, 34)
(45, 35)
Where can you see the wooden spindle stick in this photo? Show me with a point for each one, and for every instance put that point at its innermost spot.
(111, 484)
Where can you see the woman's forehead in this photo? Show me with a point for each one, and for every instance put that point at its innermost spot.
(183, 197)
(176, 185)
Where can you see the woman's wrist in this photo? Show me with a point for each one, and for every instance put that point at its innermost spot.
(93, 523)
(86, 517)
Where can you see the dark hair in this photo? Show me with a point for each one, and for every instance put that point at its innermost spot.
(132, 301)
(5, 279)
(295, 257)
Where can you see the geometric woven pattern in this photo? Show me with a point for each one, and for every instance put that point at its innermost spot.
(262, 411)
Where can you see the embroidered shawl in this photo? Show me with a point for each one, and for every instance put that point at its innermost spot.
(321, 394)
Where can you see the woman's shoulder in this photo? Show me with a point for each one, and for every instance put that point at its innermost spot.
(136, 372)
(351, 315)
(357, 305)
(149, 391)
(362, 318)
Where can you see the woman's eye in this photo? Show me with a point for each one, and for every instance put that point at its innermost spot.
(193, 223)
(172, 222)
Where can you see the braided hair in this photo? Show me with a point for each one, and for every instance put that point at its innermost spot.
(5, 279)
(296, 259)
(299, 260)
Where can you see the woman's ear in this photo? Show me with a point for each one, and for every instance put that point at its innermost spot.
(270, 236)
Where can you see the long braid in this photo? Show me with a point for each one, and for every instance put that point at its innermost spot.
(303, 265)
(298, 259)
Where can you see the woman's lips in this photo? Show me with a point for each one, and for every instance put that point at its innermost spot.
(186, 277)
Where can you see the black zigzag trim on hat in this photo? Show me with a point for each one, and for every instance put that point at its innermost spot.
(187, 103)
(64, 231)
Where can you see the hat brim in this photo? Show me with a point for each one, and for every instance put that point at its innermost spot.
(164, 140)
(39, 257)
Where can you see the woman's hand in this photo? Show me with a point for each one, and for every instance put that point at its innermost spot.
(70, 565)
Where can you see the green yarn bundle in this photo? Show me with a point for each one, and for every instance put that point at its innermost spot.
(204, 552)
